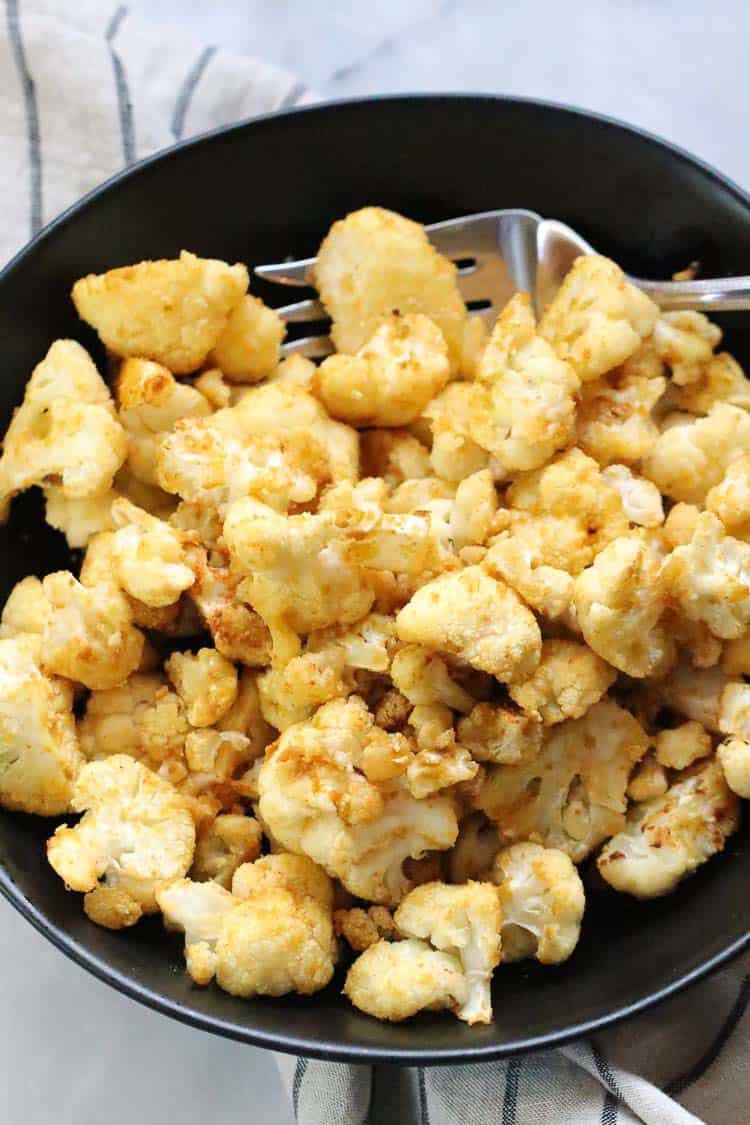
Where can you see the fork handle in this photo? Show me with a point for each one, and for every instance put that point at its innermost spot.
(708, 294)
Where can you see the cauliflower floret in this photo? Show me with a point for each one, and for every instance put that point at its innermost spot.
(572, 795)
(272, 935)
(173, 312)
(695, 693)
(667, 838)
(500, 734)
(64, 433)
(541, 901)
(363, 928)
(424, 678)
(518, 556)
(473, 510)
(733, 755)
(389, 380)
(78, 517)
(150, 401)
(26, 610)
(679, 526)
(649, 779)
(641, 499)
(214, 388)
(454, 454)
(709, 579)
(473, 616)
(39, 754)
(393, 980)
(294, 370)
(685, 342)
(680, 747)
(223, 845)
(523, 406)
(569, 679)
(722, 380)
(730, 498)
(464, 922)
(734, 710)
(149, 556)
(136, 833)
(90, 637)
(99, 568)
(598, 319)
(142, 718)
(206, 682)
(238, 632)
(439, 762)
(395, 455)
(619, 603)
(315, 800)
(615, 420)
(692, 454)
(249, 346)
(374, 261)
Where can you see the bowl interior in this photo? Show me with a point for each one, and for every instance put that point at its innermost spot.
(270, 188)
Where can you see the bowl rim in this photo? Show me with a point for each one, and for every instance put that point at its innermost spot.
(295, 1044)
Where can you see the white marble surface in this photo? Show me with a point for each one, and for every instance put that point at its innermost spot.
(676, 67)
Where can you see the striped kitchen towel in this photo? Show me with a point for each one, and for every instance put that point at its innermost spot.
(84, 90)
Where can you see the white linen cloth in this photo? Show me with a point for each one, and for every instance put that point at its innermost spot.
(84, 90)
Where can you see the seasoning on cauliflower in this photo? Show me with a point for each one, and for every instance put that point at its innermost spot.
(316, 799)
(173, 312)
(685, 342)
(391, 378)
(572, 795)
(90, 637)
(734, 710)
(709, 579)
(615, 420)
(619, 603)
(523, 406)
(648, 779)
(692, 454)
(39, 754)
(149, 556)
(541, 903)
(721, 380)
(733, 755)
(136, 834)
(206, 682)
(454, 454)
(464, 922)
(64, 433)
(476, 617)
(568, 680)
(363, 928)
(730, 498)
(395, 455)
(424, 677)
(248, 349)
(273, 934)
(374, 261)
(518, 556)
(598, 318)
(393, 980)
(142, 718)
(679, 747)
(666, 839)
(500, 734)
(238, 632)
(641, 499)
(26, 610)
(439, 761)
(223, 845)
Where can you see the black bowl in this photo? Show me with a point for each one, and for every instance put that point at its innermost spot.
(257, 192)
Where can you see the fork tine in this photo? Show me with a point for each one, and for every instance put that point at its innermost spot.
(288, 273)
(302, 311)
(311, 347)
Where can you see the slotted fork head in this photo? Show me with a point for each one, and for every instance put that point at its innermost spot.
(496, 256)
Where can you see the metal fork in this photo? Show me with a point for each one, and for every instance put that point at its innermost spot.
(498, 253)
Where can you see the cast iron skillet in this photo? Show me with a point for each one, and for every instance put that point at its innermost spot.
(257, 192)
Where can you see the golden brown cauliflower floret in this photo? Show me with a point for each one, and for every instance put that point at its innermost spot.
(79, 518)
(393, 980)
(142, 718)
(26, 610)
(500, 734)
(136, 833)
(619, 603)
(691, 454)
(206, 682)
(541, 902)
(477, 618)
(722, 380)
(569, 679)
(523, 406)
(173, 311)
(518, 556)
(679, 747)
(248, 349)
(238, 632)
(424, 678)
(734, 710)
(363, 928)
(667, 838)
(39, 754)
(149, 556)
(454, 454)
(685, 341)
(464, 922)
(391, 378)
(679, 526)
(709, 579)
(598, 319)
(572, 795)
(374, 261)
(395, 455)
(648, 779)
(641, 499)
(695, 693)
(439, 761)
(316, 799)
(730, 498)
(615, 421)
(90, 637)
(223, 845)
(150, 401)
(64, 433)
(733, 755)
